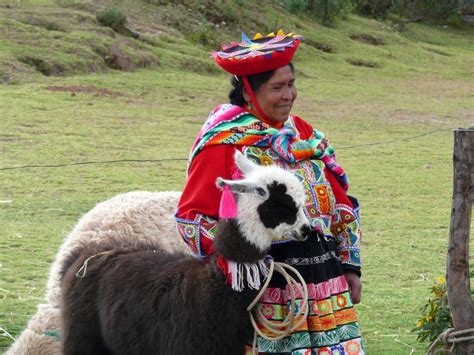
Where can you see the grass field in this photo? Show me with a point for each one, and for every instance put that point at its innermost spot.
(391, 126)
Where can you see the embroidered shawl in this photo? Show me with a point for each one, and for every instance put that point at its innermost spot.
(230, 124)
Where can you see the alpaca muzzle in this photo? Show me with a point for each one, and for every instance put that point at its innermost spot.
(302, 234)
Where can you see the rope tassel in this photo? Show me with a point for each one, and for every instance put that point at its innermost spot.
(253, 273)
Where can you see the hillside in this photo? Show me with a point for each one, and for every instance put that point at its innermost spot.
(64, 37)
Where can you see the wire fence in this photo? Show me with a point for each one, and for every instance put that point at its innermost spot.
(61, 165)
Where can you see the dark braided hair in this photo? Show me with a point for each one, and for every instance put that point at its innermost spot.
(236, 96)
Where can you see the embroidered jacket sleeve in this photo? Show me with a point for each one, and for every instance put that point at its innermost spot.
(346, 227)
(198, 208)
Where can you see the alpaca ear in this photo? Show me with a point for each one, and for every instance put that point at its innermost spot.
(244, 186)
(244, 164)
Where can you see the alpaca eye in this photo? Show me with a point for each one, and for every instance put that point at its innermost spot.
(260, 191)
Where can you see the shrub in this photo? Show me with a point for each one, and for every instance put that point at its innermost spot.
(436, 316)
(413, 10)
(372, 8)
(426, 10)
(206, 36)
(326, 11)
(112, 17)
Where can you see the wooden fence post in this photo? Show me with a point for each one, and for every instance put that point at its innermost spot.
(458, 284)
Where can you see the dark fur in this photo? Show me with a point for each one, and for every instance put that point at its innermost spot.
(278, 208)
(151, 302)
(232, 246)
(103, 246)
(71, 258)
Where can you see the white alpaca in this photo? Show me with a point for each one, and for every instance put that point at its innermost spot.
(131, 219)
(134, 219)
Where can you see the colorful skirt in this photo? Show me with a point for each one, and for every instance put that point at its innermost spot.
(332, 325)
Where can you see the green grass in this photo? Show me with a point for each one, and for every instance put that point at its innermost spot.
(424, 84)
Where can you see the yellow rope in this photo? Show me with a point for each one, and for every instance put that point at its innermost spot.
(83, 268)
(279, 330)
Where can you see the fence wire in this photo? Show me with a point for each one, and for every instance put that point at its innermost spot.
(61, 165)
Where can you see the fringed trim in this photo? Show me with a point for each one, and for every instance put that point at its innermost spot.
(238, 273)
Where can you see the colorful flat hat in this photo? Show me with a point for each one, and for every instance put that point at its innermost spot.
(257, 55)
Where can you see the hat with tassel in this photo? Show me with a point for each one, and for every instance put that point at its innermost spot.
(258, 55)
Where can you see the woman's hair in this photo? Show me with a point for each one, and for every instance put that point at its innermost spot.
(256, 81)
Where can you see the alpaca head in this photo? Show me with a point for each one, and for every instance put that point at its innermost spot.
(270, 203)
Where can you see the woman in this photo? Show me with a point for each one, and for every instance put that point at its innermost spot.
(258, 122)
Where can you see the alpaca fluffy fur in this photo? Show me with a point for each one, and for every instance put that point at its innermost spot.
(130, 219)
(41, 335)
(133, 219)
(154, 302)
(258, 178)
(252, 227)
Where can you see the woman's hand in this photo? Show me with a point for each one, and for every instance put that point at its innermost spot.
(355, 286)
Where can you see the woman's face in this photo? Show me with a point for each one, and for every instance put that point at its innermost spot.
(276, 96)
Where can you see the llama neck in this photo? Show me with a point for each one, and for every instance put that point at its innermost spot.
(232, 245)
(243, 276)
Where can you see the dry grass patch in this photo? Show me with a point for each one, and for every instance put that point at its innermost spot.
(85, 89)
(323, 47)
(368, 39)
(363, 63)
